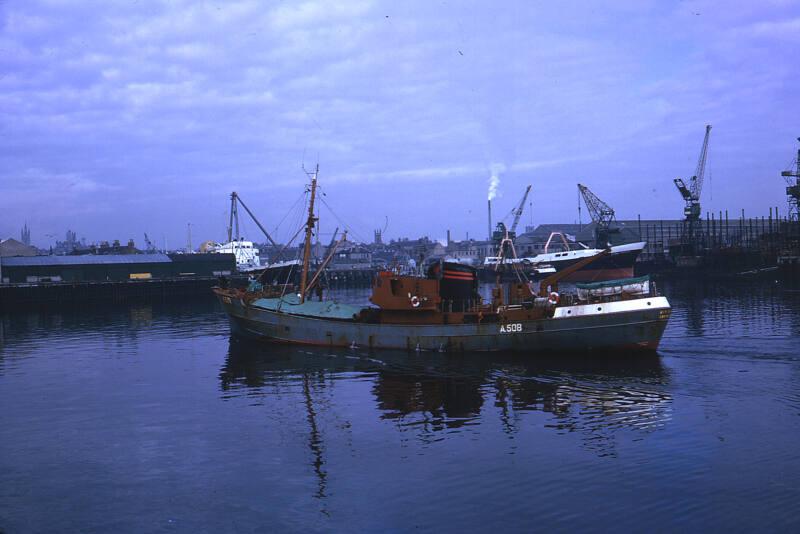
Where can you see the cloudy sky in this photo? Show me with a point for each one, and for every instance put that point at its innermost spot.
(120, 118)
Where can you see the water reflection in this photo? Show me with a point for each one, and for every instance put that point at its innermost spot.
(315, 438)
(443, 400)
(273, 435)
(430, 393)
(733, 308)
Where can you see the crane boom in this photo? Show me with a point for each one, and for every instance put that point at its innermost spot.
(519, 209)
(601, 213)
(691, 193)
(234, 214)
(697, 179)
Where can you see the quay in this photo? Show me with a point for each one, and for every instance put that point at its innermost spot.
(30, 280)
(13, 296)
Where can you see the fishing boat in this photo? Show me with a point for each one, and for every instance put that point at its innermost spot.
(441, 309)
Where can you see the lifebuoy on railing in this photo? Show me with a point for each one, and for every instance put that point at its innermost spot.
(415, 301)
(554, 298)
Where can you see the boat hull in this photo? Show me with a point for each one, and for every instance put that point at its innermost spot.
(626, 325)
(619, 264)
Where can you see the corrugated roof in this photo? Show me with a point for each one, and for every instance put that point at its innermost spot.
(11, 247)
(89, 259)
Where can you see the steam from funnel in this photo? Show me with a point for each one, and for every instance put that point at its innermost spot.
(494, 179)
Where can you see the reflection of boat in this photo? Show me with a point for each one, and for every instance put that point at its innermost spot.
(591, 394)
(443, 311)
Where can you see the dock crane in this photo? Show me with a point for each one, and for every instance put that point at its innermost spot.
(602, 215)
(793, 188)
(518, 211)
(691, 193)
(234, 219)
(503, 237)
(501, 231)
(150, 247)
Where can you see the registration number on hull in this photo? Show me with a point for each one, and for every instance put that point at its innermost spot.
(510, 328)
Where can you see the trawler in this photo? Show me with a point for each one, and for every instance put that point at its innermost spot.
(441, 309)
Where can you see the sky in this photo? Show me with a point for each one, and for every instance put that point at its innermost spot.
(120, 118)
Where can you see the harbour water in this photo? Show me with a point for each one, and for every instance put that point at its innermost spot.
(151, 418)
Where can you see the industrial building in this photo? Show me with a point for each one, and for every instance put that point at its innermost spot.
(113, 267)
(11, 247)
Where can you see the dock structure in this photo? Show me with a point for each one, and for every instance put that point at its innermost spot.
(722, 242)
(43, 279)
(719, 243)
(113, 267)
(25, 296)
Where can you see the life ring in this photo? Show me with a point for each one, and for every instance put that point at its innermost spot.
(415, 301)
(554, 298)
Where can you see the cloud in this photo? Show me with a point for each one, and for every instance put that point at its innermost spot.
(305, 14)
(775, 29)
(181, 100)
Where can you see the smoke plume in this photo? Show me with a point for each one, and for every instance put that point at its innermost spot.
(494, 179)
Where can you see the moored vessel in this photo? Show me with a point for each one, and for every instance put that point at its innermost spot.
(442, 310)
(245, 252)
(619, 263)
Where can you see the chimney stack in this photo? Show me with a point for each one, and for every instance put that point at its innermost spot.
(490, 219)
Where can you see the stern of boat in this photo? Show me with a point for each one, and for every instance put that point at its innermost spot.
(636, 324)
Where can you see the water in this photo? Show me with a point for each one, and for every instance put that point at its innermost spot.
(150, 418)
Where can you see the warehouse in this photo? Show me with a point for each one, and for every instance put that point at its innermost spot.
(113, 267)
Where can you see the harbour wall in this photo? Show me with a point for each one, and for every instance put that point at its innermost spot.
(54, 279)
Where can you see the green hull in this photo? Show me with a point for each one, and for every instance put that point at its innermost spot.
(636, 324)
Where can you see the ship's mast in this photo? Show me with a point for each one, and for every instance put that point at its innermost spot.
(309, 231)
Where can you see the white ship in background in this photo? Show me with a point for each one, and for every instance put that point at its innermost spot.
(618, 264)
(246, 253)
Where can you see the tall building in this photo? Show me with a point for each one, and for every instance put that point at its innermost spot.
(25, 235)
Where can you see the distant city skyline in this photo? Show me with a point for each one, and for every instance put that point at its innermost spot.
(137, 118)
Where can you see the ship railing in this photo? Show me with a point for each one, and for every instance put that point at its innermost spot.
(460, 305)
(568, 299)
(652, 291)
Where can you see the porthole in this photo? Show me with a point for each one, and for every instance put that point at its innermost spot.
(599, 308)
(648, 304)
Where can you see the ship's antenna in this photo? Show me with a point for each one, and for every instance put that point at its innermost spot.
(309, 231)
